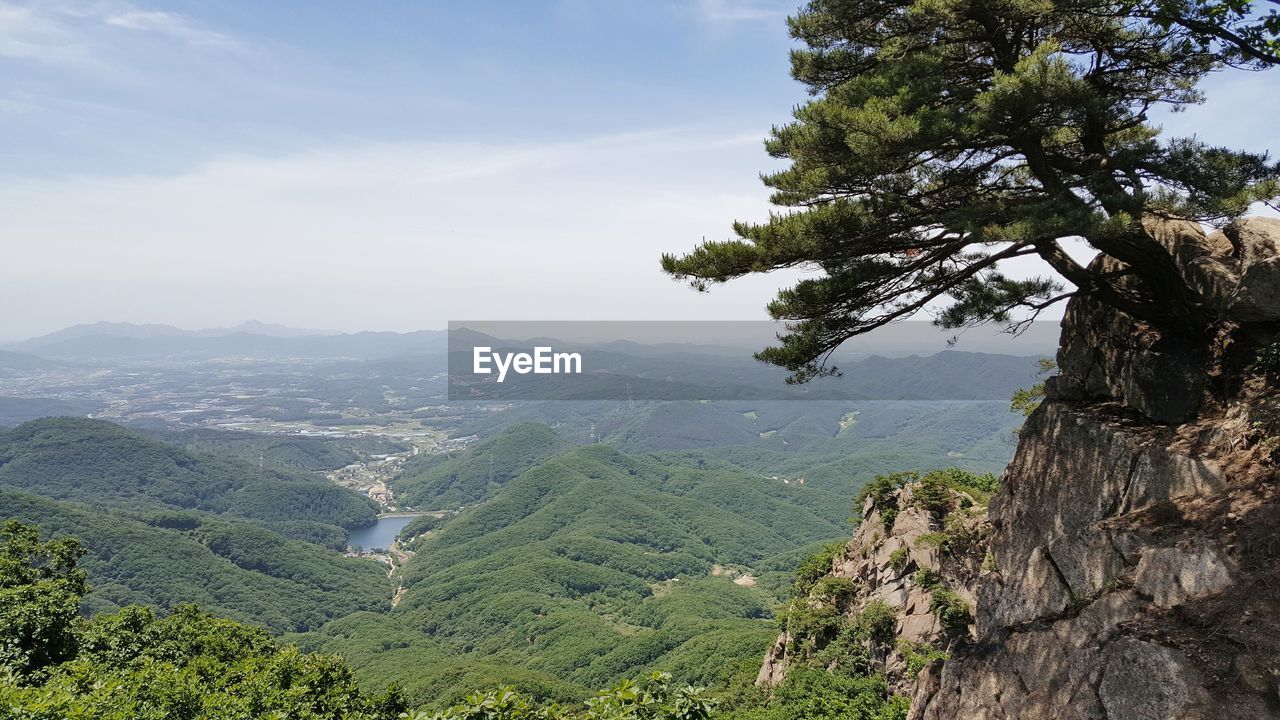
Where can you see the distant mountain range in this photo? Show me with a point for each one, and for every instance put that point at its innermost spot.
(618, 369)
(116, 341)
(144, 331)
(22, 361)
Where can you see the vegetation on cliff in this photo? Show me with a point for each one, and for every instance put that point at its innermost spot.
(867, 616)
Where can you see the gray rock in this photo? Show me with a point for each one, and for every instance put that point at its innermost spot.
(1215, 278)
(1170, 576)
(1165, 383)
(1254, 239)
(1143, 681)
(1219, 243)
(1184, 239)
(774, 669)
(1107, 354)
(1257, 297)
(868, 560)
(1055, 621)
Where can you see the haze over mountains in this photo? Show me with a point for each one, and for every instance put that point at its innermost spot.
(126, 341)
(122, 340)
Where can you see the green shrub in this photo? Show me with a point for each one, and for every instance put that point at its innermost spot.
(935, 540)
(847, 652)
(917, 656)
(833, 589)
(814, 694)
(877, 622)
(815, 567)
(979, 486)
(934, 494)
(928, 578)
(657, 698)
(963, 535)
(882, 491)
(809, 626)
(952, 611)
(898, 558)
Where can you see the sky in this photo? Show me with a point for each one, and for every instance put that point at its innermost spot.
(397, 165)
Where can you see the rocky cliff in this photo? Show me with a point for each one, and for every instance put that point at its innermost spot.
(900, 594)
(1131, 569)
(1136, 533)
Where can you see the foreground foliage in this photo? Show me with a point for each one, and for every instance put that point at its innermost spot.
(133, 664)
(656, 698)
(229, 567)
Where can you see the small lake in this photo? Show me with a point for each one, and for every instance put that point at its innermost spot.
(380, 534)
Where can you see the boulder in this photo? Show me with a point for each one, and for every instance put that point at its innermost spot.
(1253, 239)
(1106, 354)
(1145, 681)
(1215, 278)
(1170, 576)
(1165, 382)
(1185, 240)
(1257, 297)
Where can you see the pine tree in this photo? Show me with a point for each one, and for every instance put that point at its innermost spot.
(946, 137)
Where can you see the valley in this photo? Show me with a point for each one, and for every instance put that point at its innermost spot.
(448, 546)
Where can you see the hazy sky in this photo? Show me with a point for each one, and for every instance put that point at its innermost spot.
(395, 165)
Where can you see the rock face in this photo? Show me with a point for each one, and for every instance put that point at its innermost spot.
(1136, 533)
(902, 556)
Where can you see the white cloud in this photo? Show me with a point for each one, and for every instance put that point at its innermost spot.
(28, 34)
(175, 26)
(88, 34)
(399, 235)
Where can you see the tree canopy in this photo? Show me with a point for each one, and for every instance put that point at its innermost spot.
(946, 137)
(190, 665)
(40, 590)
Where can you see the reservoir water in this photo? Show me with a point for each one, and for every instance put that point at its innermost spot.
(381, 533)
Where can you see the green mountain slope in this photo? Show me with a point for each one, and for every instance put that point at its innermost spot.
(168, 526)
(441, 481)
(98, 462)
(587, 567)
(17, 410)
(228, 567)
(287, 453)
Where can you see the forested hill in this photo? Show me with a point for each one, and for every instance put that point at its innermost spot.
(22, 361)
(166, 525)
(442, 481)
(163, 558)
(590, 566)
(98, 462)
(559, 567)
